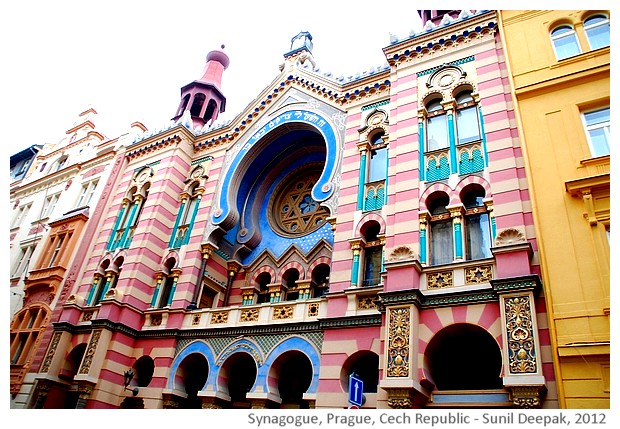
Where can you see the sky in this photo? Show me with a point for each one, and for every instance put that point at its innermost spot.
(129, 59)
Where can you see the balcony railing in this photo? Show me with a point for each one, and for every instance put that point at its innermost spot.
(248, 315)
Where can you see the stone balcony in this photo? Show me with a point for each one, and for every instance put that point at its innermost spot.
(285, 312)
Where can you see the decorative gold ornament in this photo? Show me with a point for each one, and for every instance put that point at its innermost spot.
(480, 274)
(398, 342)
(50, 352)
(313, 309)
(284, 312)
(520, 334)
(220, 317)
(367, 302)
(90, 352)
(249, 315)
(439, 280)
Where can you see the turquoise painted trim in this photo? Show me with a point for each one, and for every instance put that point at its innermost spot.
(91, 293)
(421, 136)
(458, 241)
(362, 182)
(355, 270)
(192, 220)
(172, 291)
(323, 188)
(150, 164)
(451, 135)
(493, 228)
(387, 175)
(132, 215)
(176, 224)
(484, 138)
(119, 218)
(451, 63)
(106, 287)
(374, 105)
(155, 294)
(198, 161)
(382, 258)
(423, 246)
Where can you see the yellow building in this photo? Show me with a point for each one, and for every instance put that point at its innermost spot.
(560, 78)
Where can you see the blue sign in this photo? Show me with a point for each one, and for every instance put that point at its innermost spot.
(356, 390)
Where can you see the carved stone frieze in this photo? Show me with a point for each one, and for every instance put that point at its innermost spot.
(90, 352)
(528, 396)
(47, 361)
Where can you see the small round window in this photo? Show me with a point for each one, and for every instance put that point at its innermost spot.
(293, 210)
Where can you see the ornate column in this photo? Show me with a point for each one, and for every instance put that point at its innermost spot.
(425, 217)
(233, 268)
(456, 213)
(176, 272)
(449, 108)
(362, 147)
(523, 374)
(207, 250)
(173, 237)
(41, 391)
(356, 247)
(489, 206)
(159, 278)
(84, 388)
(421, 141)
(400, 375)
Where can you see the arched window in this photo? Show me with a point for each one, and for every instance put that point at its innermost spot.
(320, 280)
(199, 100)
(128, 218)
(467, 124)
(105, 279)
(372, 263)
(437, 136)
(477, 225)
(376, 173)
(60, 164)
(289, 280)
(25, 331)
(210, 113)
(597, 30)
(263, 280)
(565, 42)
(186, 216)
(441, 235)
(169, 285)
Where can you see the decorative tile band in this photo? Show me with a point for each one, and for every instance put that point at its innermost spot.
(451, 63)
(375, 105)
